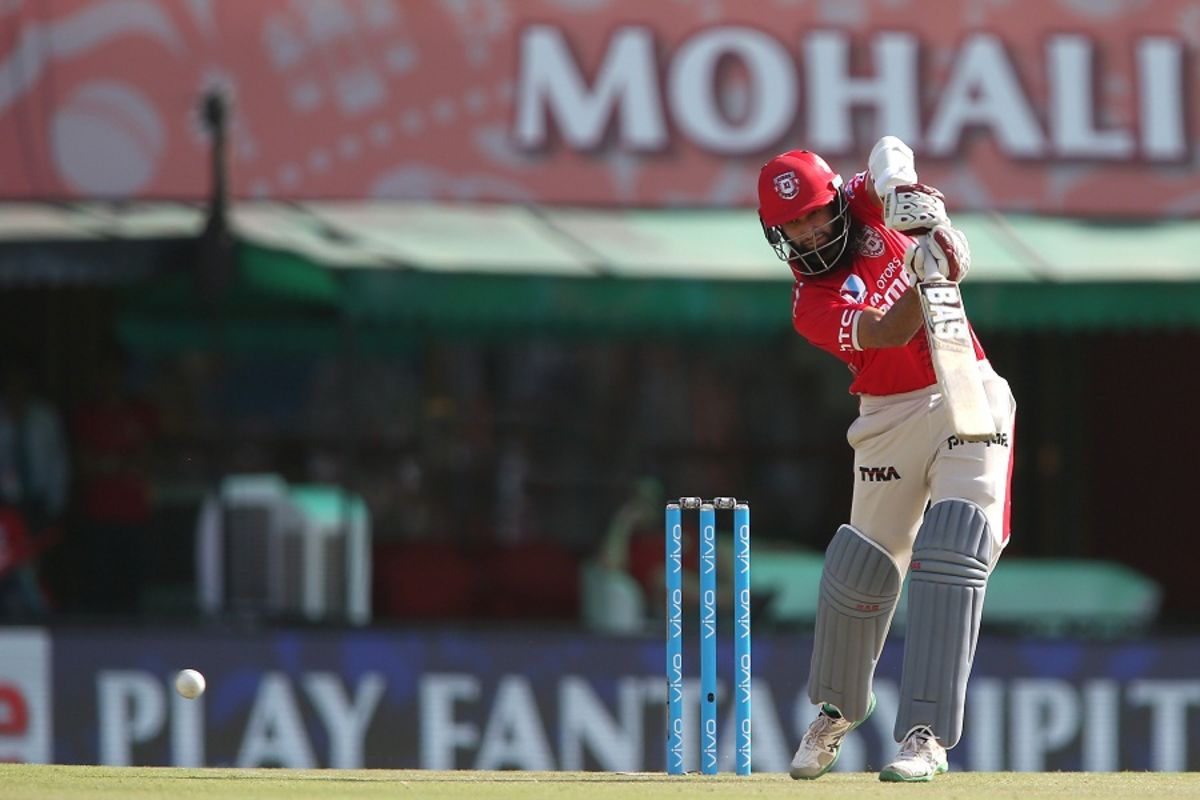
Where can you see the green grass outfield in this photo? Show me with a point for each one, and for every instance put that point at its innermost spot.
(19, 781)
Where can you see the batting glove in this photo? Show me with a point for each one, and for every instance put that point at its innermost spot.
(914, 208)
(950, 252)
(944, 250)
(914, 261)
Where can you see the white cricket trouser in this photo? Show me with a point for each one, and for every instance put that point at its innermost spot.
(905, 456)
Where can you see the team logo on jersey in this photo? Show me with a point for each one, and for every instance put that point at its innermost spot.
(870, 243)
(853, 289)
(786, 185)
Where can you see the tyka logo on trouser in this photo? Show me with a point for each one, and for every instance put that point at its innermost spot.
(875, 474)
(707, 568)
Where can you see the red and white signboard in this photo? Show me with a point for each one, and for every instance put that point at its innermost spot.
(1063, 107)
(25, 712)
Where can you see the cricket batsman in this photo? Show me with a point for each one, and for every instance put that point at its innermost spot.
(924, 500)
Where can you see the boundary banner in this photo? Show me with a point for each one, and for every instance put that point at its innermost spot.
(562, 701)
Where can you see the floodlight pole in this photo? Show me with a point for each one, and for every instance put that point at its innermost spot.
(217, 256)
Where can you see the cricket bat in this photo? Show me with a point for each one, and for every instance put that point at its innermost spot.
(953, 355)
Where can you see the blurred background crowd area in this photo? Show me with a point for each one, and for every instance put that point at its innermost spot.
(468, 445)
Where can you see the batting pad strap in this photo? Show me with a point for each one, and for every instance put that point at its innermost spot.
(947, 582)
(860, 584)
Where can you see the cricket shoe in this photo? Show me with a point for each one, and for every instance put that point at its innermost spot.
(919, 759)
(822, 743)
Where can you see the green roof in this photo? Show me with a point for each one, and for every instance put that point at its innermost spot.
(392, 269)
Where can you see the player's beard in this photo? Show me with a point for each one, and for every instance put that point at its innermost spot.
(812, 263)
(853, 237)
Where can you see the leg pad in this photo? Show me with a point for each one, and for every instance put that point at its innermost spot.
(948, 577)
(860, 584)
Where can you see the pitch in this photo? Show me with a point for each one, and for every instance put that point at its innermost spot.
(39, 781)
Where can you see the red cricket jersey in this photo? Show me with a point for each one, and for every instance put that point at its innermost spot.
(826, 308)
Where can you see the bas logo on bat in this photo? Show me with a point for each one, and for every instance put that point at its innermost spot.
(952, 353)
(947, 320)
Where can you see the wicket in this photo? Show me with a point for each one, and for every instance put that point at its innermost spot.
(708, 632)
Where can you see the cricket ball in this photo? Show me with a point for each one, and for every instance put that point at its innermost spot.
(189, 683)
